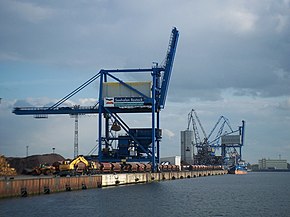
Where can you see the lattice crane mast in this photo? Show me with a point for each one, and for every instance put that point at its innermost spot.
(202, 145)
(192, 117)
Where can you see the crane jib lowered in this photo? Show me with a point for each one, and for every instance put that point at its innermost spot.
(160, 76)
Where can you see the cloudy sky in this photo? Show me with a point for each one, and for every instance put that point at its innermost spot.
(232, 59)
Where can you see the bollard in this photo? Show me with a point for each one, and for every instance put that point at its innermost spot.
(67, 187)
(24, 192)
(46, 190)
(84, 187)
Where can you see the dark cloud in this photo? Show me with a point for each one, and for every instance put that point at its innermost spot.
(228, 45)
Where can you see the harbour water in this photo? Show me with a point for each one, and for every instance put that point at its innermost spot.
(254, 194)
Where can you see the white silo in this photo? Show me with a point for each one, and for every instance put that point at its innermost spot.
(187, 151)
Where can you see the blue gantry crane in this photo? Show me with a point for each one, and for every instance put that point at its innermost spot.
(231, 146)
(118, 97)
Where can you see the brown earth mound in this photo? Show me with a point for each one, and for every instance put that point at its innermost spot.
(30, 162)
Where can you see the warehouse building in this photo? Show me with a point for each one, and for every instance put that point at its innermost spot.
(276, 164)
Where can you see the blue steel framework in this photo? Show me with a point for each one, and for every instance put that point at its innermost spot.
(225, 148)
(153, 105)
(215, 143)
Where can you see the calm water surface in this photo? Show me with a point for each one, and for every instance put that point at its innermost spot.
(254, 194)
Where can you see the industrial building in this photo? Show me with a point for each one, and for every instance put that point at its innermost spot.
(271, 164)
(187, 148)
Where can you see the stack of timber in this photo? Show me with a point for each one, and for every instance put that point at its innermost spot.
(5, 169)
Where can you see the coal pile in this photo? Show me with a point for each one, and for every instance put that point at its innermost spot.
(28, 163)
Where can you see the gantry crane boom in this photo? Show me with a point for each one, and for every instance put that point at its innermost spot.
(56, 109)
(71, 110)
(168, 65)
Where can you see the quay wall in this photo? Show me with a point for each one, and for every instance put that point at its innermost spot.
(23, 187)
(46, 185)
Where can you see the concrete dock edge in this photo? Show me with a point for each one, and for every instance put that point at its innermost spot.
(23, 187)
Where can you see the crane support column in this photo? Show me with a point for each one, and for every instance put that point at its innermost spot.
(76, 137)
(158, 139)
(101, 104)
(154, 72)
(242, 138)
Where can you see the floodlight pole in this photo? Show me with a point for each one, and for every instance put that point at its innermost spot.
(27, 150)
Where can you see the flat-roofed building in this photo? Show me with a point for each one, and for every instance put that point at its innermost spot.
(277, 164)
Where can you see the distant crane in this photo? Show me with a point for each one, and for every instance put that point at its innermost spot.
(202, 145)
(222, 123)
(192, 117)
(225, 139)
(231, 145)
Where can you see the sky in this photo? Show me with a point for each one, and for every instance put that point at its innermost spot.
(232, 59)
